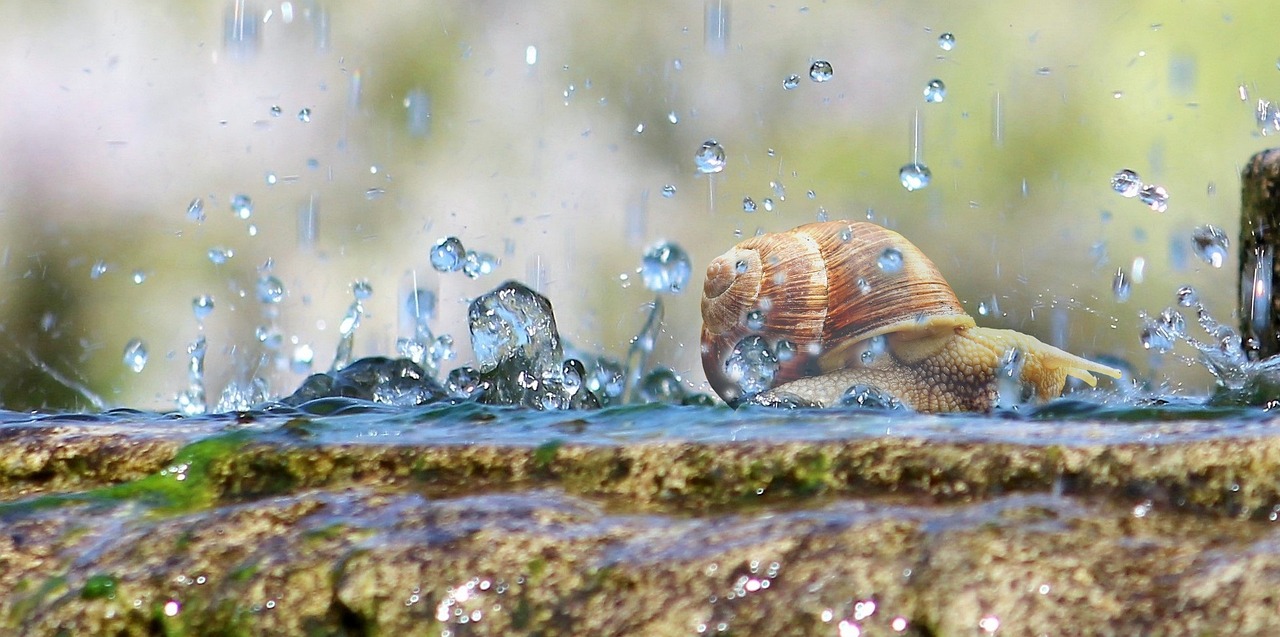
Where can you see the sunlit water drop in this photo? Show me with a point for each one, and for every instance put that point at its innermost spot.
(202, 307)
(820, 71)
(914, 176)
(195, 210)
(1156, 197)
(478, 264)
(1120, 286)
(1126, 182)
(270, 290)
(448, 255)
(666, 268)
(890, 260)
(791, 82)
(947, 41)
(219, 256)
(1210, 243)
(710, 157)
(1187, 296)
(748, 204)
(751, 365)
(304, 115)
(935, 91)
(135, 355)
(668, 191)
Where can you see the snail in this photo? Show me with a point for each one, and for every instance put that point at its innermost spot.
(813, 311)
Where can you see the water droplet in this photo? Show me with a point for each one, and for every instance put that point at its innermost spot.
(868, 397)
(768, 204)
(791, 82)
(1120, 287)
(710, 157)
(195, 210)
(448, 254)
(748, 204)
(361, 289)
(1154, 337)
(135, 355)
(98, 269)
(1187, 296)
(784, 351)
(666, 268)
(513, 327)
(220, 256)
(1172, 321)
(304, 115)
(270, 290)
(751, 365)
(242, 206)
(300, 361)
(1156, 197)
(1126, 182)
(673, 118)
(914, 176)
(820, 71)
(935, 91)
(779, 190)
(139, 277)
(668, 191)
(202, 306)
(478, 264)
(947, 41)
(1210, 243)
(754, 320)
(276, 111)
(639, 128)
(420, 306)
(271, 179)
(890, 260)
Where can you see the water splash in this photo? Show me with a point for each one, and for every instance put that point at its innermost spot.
(191, 401)
(361, 290)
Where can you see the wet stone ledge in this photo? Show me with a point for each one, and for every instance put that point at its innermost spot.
(494, 523)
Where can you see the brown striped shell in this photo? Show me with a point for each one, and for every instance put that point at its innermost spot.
(822, 289)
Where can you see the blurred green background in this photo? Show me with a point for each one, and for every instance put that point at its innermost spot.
(542, 132)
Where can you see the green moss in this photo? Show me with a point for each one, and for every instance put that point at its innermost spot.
(100, 586)
(545, 454)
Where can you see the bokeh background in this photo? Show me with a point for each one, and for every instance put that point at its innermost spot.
(545, 133)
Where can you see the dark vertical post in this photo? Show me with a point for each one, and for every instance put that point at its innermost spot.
(1259, 238)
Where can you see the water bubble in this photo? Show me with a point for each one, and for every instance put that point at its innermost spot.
(1156, 197)
(751, 365)
(202, 306)
(914, 176)
(935, 91)
(135, 355)
(791, 82)
(220, 256)
(1210, 243)
(270, 290)
(820, 71)
(478, 264)
(304, 115)
(242, 206)
(890, 260)
(748, 204)
(668, 191)
(947, 41)
(448, 255)
(710, 157)
(665, 267)
(1126, 182)
(195, 210)
(1187, 296)
(1120, 286)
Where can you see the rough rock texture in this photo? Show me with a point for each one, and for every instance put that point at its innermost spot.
(265, 531)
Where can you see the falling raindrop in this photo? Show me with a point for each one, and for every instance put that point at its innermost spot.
(1187, 296)
(710, 157)
(820, 71)
(768, 204)
(448, 255)
(1210, 243)
(135, 355)
(270, 290)
(748, 204)
(935, 91)
(1126, 182)
(202, 306)
(195, 210)
(99, 268)
(1120, 287)
(665, 268)
(304, 115)
(1156, 197)
(668, 191)
(242, 206)
(673, 117)
(947, 41)
(791, 82)
(220, 256)
(276, 111)
(914, 176)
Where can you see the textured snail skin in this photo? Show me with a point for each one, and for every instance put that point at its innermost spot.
(821, 288)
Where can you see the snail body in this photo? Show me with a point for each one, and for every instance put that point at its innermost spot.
(827, 306)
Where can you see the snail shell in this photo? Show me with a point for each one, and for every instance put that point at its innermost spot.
(841, 303)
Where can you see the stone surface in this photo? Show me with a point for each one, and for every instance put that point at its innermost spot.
(268, 526)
